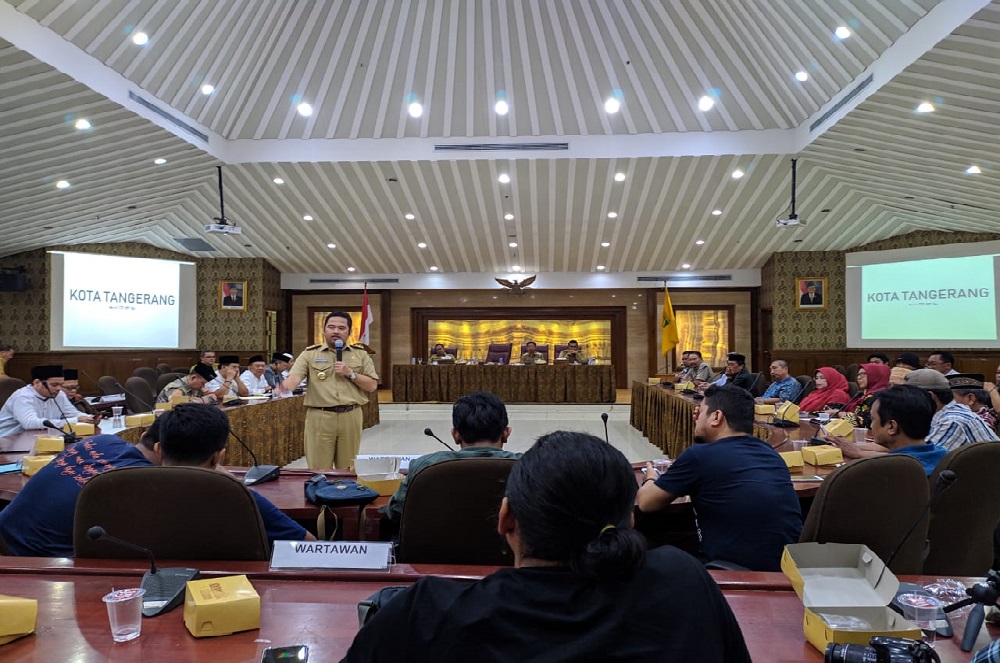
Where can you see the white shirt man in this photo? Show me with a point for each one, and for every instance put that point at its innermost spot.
(226, 386)
(41, 400)
(253, 377)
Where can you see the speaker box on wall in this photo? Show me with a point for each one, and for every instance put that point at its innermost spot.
(13, 282)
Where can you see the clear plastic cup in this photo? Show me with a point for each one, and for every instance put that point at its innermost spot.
(860, 435)
(921, 610)
(125, 613)
(116, 413)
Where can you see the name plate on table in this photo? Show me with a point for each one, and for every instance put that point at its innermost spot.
(366, 555)
(404, 458)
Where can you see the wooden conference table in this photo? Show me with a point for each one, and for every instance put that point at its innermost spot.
(319, 609)
(541, 383)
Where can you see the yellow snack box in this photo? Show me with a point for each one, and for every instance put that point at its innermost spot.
(31, 464)
(838, 427)
(764, 410)
(787, 411)
(220, 606)
(792, 458)
(17, 617)
(79, 429)
(824, 454)
(145, 419)
(49, 444)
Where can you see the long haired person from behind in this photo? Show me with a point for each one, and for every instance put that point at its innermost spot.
(583, 587)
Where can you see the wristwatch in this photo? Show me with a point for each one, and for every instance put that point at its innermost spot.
(352, 376)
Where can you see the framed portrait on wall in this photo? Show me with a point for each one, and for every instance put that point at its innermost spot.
(232, 295)
(810, 293)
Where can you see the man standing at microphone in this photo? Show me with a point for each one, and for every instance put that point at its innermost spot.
(340, 378)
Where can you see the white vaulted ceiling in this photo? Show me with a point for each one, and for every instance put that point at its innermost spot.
(360, 163)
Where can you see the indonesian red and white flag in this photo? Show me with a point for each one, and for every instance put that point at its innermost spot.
(366, 317)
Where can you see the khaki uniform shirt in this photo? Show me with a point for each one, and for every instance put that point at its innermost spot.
(532, 358)
(326, 388)
(577, 358)
(185, 388)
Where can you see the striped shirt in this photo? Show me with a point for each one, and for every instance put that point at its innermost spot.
(955, 425)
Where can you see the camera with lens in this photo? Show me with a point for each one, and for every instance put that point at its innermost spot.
(881, 649)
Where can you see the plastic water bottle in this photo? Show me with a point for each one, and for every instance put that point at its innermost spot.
(500, 361)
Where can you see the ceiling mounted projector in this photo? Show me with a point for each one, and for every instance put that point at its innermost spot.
(793, 218)
(222, 224)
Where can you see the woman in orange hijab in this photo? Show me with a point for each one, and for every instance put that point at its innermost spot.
(831, 390)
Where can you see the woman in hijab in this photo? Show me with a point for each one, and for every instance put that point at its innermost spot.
(872, 378)
(831, 391)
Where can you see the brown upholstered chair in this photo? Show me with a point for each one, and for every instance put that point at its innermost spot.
(177, 512)
(852, 372)
(559, 348)
(757, 387)
(166, 379)
(450, 513)
(808, 386)
(8, 386)
(139, 396)
(873, 501)
(965, 516)
(148, 374)
(109, 386)
(163, 367)
(499, 351)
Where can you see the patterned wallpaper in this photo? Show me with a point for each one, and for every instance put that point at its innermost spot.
(826, 330)
(24, 316)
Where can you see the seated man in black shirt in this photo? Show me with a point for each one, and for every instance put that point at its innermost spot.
(582, 588)
(744, 501)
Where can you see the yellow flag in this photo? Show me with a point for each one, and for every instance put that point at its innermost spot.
(670, 338)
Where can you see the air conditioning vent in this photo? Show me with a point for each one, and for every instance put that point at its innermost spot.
(194, 244)
(502, 147)
(176, 121)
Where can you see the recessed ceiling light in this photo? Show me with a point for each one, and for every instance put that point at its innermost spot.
(925, 108)
(699, 242)
(159, 161)
(737, 174)
(331, 246)
(415, 109)
(516, 268)
(801, 76)
(304, 109)
(409, 217)
(717, 212)
(82, 124)
(842, 32)
(307, 218)
(278, 180)
(509, 216)
(619, 177)
(600, 267)
(685, 266)
(434, 268)
(140, 39)
(504, 178)
(501, 107)
(512, 245)
(350, 269)
(605, 244)
(421, 245)
(973, 170)
(612, 215)
(207, 88)
(706, 103)
(62, 184)
(612, 105)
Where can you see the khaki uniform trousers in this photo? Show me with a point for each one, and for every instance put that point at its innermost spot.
(332, 437)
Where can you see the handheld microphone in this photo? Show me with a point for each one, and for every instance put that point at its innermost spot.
(257, 473)
(164, 587)
(429, 433)
(604, 418)
(339, 347)
(68, 438)
(945, 479)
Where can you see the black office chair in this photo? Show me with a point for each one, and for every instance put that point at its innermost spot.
(450, 513)
(148, 374)
(177, 512)
(166, 379)
(8, 386)
(498, 352)
(139, 396)
(109, 386)
(757, 388)
(808, 386)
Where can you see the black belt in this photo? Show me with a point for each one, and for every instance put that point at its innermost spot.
(337, 408)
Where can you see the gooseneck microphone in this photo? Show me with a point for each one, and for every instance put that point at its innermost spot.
(338, 345)
(257, 473)
(945, 479)
(604, 418)
(429, 433)
(68, 438)
(164, 587)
